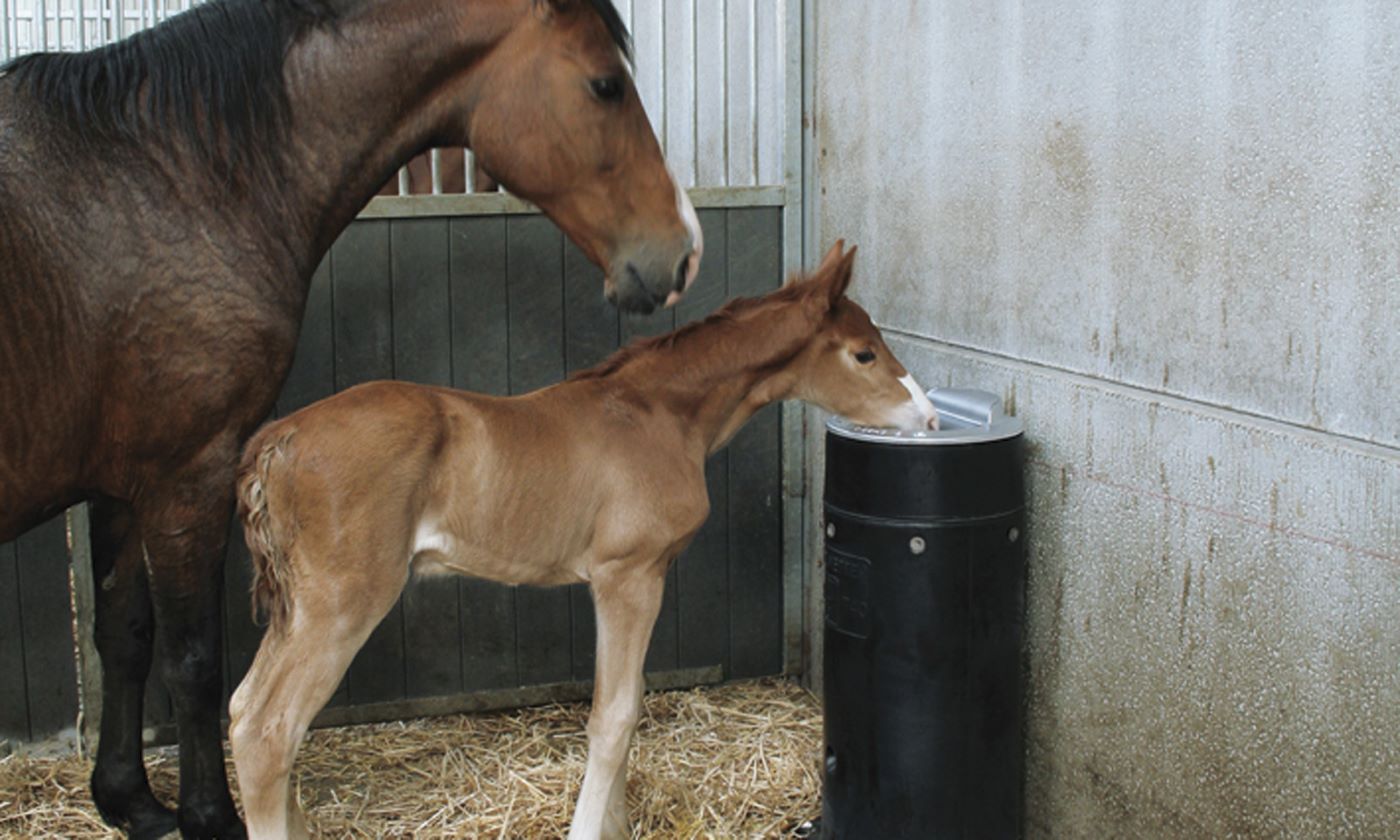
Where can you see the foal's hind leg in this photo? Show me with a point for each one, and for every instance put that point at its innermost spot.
(295, 672)
(184, 526)
(124, 639)
(626, 599)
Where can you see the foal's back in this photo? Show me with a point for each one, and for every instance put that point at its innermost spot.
(528, 489)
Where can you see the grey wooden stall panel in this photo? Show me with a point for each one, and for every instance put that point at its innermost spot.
(661, 651)
(419, 263)
(702, 616)
(39, 691)
(480, 363)
(592, 331)
(505, 304)
(755, 476)
(14, 704)
(535, 296)
(362, 318)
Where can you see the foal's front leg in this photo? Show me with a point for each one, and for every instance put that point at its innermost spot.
(626, 598)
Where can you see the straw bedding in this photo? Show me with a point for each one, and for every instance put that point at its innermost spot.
(732, 761)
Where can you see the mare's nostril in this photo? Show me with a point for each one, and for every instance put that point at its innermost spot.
(681, 272)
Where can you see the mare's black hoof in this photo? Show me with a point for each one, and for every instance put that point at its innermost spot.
(146, 823)
(215, 821)
(155, 827)
(137, 812)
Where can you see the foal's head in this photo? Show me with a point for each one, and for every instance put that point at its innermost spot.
(558, 121)
(845, 367)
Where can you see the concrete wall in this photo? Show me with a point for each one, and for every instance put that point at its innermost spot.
(1169, 235)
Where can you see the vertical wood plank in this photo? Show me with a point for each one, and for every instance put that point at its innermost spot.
(14, 693)
(419, 265)
(51, 682)
(534, 272)
(755, 487)
(362, 303)
(661, 653)
(591, 333)
(480, 362)
(702, 573)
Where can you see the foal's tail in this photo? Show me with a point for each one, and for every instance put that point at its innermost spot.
(272, 596)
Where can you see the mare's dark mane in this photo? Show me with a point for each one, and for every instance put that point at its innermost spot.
(788, 293)
(209, 78)
(616, 28)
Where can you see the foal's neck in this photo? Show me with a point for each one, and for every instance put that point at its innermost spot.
(715, 375)
(373, 90)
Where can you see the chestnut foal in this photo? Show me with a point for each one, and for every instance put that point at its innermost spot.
(600, 479)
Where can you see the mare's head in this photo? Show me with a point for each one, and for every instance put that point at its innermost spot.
(557, 121)
(846, 367)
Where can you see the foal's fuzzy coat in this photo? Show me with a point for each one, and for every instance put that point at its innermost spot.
(598, 479)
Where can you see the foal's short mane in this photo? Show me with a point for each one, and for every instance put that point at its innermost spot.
(210, 78)
(789, 293)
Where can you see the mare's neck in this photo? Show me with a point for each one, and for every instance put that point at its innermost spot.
(385, 83)
(715, 378)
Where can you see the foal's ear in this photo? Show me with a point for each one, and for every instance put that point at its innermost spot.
(833, 276)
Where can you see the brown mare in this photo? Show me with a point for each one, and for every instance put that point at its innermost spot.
(600, 478)
(163, 203)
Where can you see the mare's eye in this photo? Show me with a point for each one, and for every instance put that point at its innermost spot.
(608, 88)
(865, 357)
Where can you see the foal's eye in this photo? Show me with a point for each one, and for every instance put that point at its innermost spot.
(865, 357)
(608, 88)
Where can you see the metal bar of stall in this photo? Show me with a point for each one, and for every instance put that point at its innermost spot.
(435, 165)
(4, 30)
(695, 93)
(724, 82)
(753, 89)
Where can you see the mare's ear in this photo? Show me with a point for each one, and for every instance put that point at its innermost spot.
(831, 279)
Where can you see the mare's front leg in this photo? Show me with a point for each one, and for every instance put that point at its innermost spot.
(184, 525)
(124, 632)
(627, 598)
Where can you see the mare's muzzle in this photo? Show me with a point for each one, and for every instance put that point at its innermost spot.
(644, 278)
